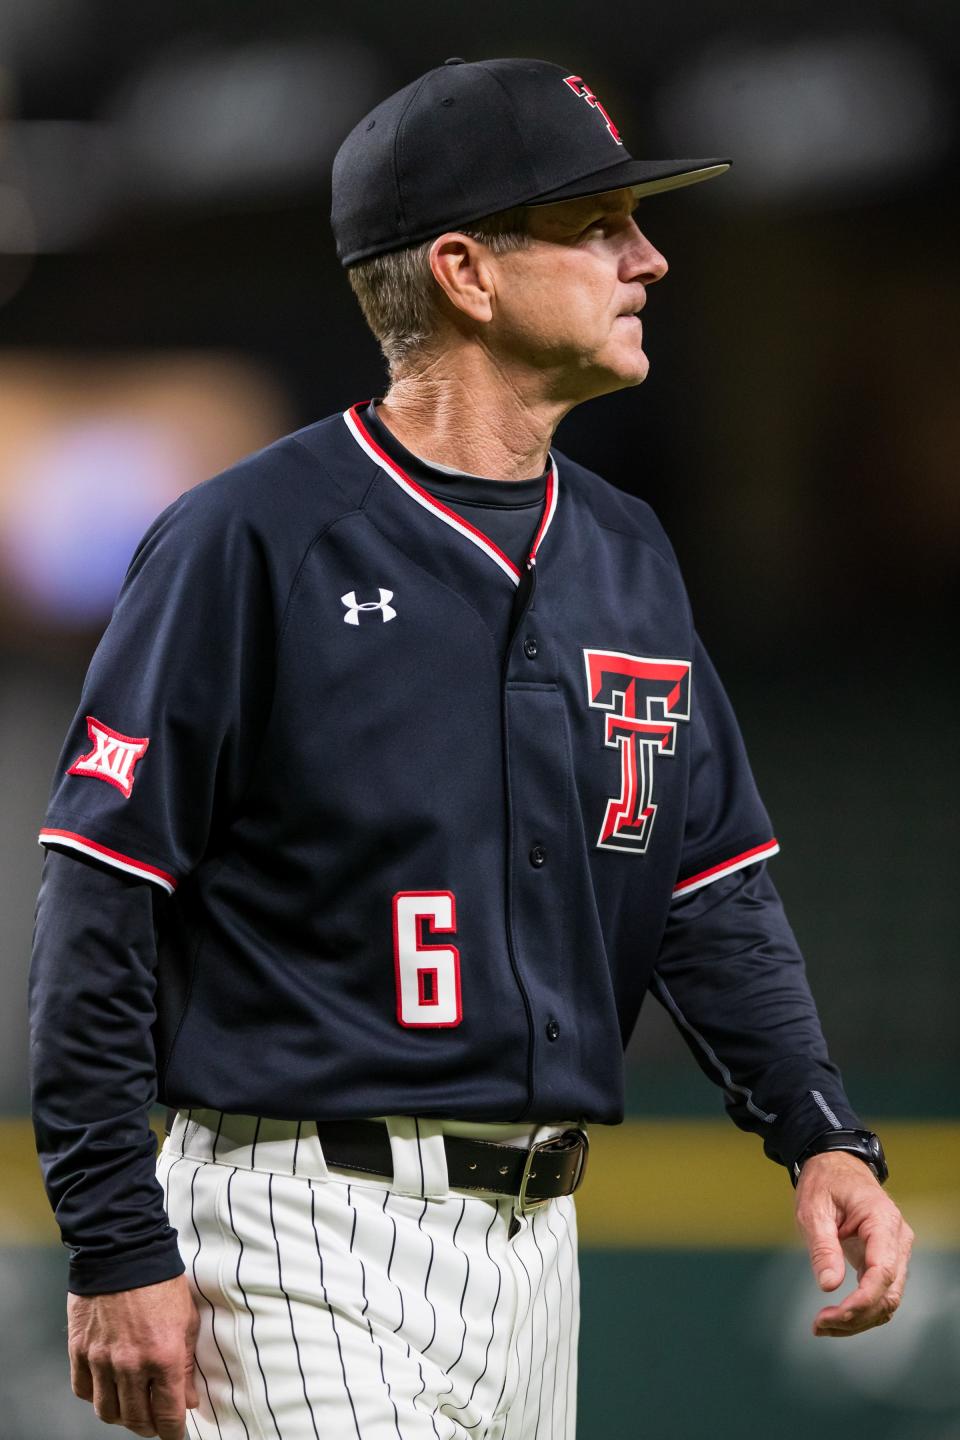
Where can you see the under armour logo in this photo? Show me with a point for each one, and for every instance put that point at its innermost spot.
(112, 758)
(352, 616)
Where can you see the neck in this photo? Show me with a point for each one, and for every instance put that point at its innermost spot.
(463, 412)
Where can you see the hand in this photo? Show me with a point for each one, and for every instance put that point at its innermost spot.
(131, 1354)
(843, 1211)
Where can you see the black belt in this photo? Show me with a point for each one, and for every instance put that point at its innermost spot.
(544, 1171)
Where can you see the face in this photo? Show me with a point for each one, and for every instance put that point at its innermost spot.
(568, 303)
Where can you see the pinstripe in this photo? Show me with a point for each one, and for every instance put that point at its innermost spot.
(506, 1358)
(531, 1315)
(423, 1183)
(243, 1293)
(506, 1371)
(366, 1305)
(516, 1340)
(213, 1312)
(296, 1145)
(493, 1316)
(463, 1337)
(466, 1281)
(216, 1138)
(553, 1323)
(423, 1383)
(193, 1420)
(423, 1386)
(166, 1187)
(432, 1420)
(326, 1301)
(396, 1417)
(386, 1197)
(363, 1273)
(283, 1291)
(253, 1147)
(574, 1311)
(196, 1361)
(542, 1294)
(426, 1280)
(559, 1337)
(186, 1126)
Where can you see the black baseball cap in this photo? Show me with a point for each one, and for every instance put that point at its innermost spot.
(468, 139)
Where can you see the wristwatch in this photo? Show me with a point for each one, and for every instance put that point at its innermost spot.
(862, 1143)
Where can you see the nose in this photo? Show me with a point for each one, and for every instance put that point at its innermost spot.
(641, 260)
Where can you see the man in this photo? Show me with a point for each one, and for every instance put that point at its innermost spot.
(399, 777)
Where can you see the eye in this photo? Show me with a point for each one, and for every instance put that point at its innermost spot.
(604, 223)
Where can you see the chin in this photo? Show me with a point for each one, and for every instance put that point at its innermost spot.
(603, 374)
(633, 372)
(629, 367)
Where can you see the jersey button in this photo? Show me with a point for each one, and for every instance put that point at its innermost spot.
(530, 648)
(538, 856)
(553, 1030)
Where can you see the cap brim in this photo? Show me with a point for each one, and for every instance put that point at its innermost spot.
(643, 177)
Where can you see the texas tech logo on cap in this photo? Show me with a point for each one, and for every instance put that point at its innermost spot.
(112, 758)
(581, 89)
(644, 700)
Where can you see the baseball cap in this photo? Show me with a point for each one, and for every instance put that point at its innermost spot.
(468, 139)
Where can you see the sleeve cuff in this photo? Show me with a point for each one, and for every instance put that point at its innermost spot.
(129, 864)
(91, 1275)
(726, 867)
(813, 1114)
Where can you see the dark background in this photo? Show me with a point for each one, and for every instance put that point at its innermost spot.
(170, 299)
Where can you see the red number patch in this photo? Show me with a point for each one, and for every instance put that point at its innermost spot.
(428, 976)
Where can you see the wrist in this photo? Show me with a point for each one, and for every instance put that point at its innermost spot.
(863, 1144)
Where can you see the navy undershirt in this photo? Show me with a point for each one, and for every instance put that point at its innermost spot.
(507, 511)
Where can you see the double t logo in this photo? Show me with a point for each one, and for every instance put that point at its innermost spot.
(643, 699)
(583, 92)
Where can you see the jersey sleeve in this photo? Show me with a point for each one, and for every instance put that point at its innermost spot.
(175, 699)
(93, 1073)
(727, 827)
(731, 976)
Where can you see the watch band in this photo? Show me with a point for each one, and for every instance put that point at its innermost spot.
(862, 1143)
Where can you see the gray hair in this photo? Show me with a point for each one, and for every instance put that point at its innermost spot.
(399, 296)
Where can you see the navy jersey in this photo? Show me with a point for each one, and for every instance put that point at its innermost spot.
(422, 816)
(422, 827)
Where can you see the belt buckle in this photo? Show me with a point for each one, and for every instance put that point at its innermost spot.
(554, 1142)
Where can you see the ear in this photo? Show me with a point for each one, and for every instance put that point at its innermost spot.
(460, 266)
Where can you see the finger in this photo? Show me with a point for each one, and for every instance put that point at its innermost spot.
(823, 1246)
(878, 1294)
(81, 1380)
(837, 1333)
(881, 1264)
(190, 1386)
(864, 1307)
(132, 1392)
(106, 1402)
(168, 1405)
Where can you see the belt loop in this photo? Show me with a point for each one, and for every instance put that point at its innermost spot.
(419, 1158)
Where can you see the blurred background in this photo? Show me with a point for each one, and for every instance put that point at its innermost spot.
(170, 300)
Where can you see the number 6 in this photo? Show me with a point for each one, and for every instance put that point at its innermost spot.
(428, 976)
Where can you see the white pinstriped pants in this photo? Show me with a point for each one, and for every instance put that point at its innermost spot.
(336, 1307)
